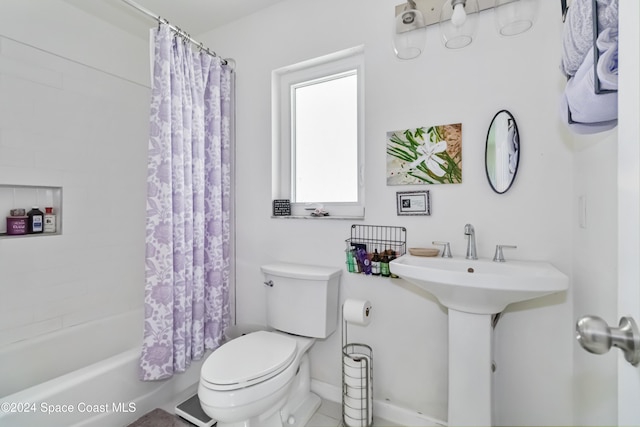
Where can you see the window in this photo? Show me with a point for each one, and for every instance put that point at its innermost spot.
(318, 134)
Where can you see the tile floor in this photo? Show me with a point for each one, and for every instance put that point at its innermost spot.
(328, 415)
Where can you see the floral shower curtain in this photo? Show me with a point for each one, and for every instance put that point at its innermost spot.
(188, 205)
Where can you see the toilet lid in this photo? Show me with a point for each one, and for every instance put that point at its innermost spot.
(249, 359)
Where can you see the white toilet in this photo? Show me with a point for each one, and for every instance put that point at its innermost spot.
(263, 378)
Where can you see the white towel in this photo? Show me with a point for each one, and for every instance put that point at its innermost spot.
(584, 104)
(608, 61)
(584, 128)
(577, 37)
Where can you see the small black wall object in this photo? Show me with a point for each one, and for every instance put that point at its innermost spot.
(281, 207)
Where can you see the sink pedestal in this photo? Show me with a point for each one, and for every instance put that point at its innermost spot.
(473, 290)
(470, 358)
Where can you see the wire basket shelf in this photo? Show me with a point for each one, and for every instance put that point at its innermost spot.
(367, 242)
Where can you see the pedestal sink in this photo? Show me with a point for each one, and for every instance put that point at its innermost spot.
(474, 290)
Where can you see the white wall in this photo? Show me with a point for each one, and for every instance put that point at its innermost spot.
(598, 175)
(96, 267)
(595, 273)
(533, 384)
(73, 113)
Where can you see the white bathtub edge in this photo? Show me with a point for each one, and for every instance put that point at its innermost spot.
(119, 372)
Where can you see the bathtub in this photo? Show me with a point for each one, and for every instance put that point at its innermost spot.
(85, 375)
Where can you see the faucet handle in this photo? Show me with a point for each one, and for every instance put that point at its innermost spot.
(499, 256)
(446, 248)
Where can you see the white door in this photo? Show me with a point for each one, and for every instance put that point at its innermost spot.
(629, 200)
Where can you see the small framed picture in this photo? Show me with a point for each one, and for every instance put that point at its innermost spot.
(413, 202)
(281, 207)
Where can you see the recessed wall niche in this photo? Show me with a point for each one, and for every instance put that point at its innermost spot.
(26, 197)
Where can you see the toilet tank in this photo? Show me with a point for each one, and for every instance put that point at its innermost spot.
(303, 299)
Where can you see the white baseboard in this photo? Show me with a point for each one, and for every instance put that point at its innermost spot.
(381, 408)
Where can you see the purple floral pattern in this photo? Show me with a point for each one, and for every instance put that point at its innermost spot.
(188, 207)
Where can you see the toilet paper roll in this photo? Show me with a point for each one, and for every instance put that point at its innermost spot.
(355, 375)
(353, 418)
(357, 312)
(358, 410)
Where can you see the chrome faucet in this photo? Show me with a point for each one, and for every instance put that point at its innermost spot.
(471, 244)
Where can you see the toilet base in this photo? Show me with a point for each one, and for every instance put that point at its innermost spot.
(297, 418)
(301, 416)
(297, 406)
(302, 403)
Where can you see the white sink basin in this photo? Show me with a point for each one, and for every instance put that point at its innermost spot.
(480, 286)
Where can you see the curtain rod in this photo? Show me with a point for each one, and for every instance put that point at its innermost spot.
(177, 30)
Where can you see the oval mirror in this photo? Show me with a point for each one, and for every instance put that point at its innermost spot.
(502, 153)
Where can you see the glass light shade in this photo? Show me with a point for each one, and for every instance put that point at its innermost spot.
(460, 31)
(515, 16)
(409, 34)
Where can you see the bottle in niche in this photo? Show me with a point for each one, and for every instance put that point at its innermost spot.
(375, 263)
(384, 265)
(35, 221)
(49, 221)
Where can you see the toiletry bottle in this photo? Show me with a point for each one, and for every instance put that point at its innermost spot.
(384, 265)
(391, 258)
(351, 262)
(35, 220)
(17, 222)
(363, 260)
(375, 263)
(49, 221)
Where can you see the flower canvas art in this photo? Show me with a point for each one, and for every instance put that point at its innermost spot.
(425, 155)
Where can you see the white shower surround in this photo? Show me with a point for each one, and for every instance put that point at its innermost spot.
(97, 382)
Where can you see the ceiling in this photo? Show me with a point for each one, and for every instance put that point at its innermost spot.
(192, 16)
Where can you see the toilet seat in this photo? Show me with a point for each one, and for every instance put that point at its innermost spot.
(248, 360)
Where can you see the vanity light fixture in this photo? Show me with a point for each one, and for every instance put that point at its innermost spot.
(457, 20)
(409, 32)
(515, 17)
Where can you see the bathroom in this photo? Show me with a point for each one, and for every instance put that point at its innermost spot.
(97, 153)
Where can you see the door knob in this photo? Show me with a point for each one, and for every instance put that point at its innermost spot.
(596, 336)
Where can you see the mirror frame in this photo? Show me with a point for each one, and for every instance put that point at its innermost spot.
(486, 151)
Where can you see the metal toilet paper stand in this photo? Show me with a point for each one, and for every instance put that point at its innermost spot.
(357, 385)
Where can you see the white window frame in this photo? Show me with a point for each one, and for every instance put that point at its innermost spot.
(281, 173)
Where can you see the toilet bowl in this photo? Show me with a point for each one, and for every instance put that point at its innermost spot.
(263, 378)
(259, 379)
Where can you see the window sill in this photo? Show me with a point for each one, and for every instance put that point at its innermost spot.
(351, 218)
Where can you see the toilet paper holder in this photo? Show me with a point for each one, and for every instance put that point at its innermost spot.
(357, 385)
(357, 379)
